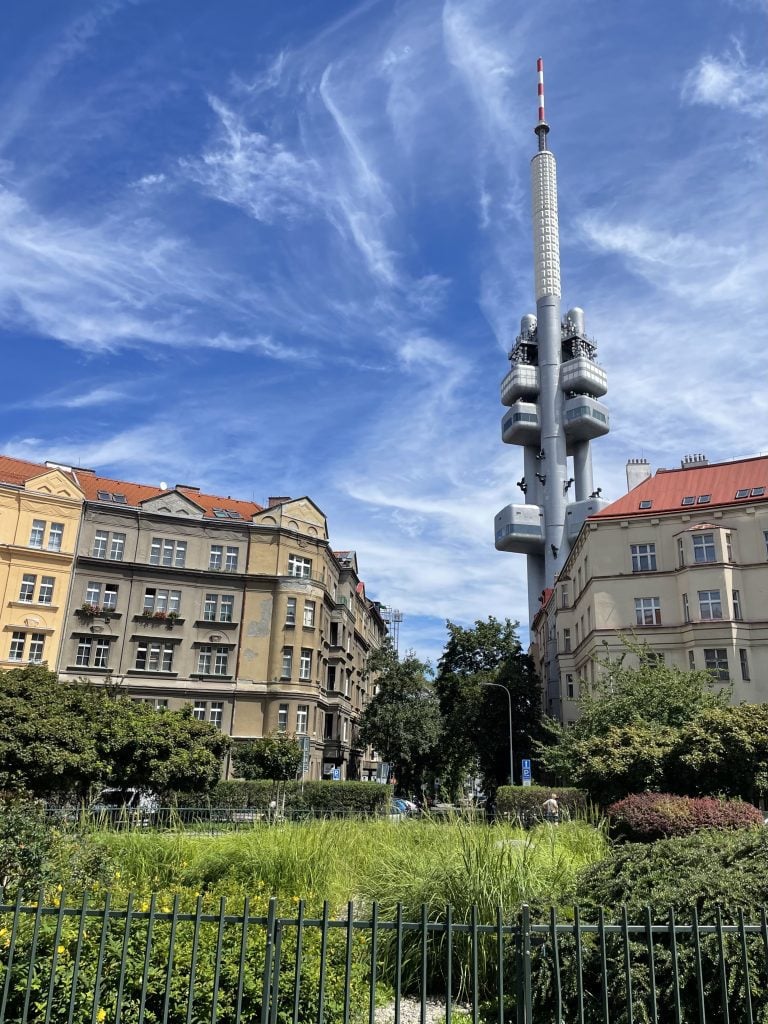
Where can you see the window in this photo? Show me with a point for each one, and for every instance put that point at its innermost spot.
(704, 499)
(689, 500)
(109, 600)
(93, 593)
(305, 664)
(648, 611)
(743, 492)
(744, 662)
(729, 546)
(309, 613)
(282, 718)
(716, 662)
(18, 642)
(102, 595)
(757, 492)
(27, 591)
(117, 548)
(298, 566)
(328, 726)
(290, 612)
(231, 560)
(216, 713)
(564, 597)
(212, 660)
(578, 579)
(217, 557)
(157, 599)
(210, 606)
(330, 679)
(344, 729)
(55, 535)
(737, 605)
(227, 608)
(92, 652)
(220, 661)
(646, 503)
(18, 645)
(287, 669)
(569, 689)
(152, 656)
(691, 661)
(710, 606)
(199, 710)
(45, 594)
(680, 553)
(703, 548)
(204, 660)
(643, 557)
(36, 645)
(765, 538)
(302, 718)
(168, 552)
(37, 533)
(686, 609)
(100, 539)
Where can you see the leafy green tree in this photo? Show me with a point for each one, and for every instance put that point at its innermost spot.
(402, 721)
(61, 739)
(277, 757)
(475, 715)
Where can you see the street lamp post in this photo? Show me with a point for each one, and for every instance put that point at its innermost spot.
(511, 747)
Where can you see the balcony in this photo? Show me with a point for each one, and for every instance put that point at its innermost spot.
(585, 418)
(521, 425)
(522, 381)
(520, 529)
(334, 750)
(581, 374)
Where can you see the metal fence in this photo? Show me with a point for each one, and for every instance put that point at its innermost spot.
(156, 961)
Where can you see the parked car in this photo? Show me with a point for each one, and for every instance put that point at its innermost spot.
(129, 805)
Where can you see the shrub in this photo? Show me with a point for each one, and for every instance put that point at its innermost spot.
(645, 817)
(363, 798)
(26, 843)
(524, 802)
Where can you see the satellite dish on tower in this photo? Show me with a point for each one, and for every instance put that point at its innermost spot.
(163, 485)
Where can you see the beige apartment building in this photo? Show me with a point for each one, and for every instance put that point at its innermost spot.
(177, 597)
(680, 563)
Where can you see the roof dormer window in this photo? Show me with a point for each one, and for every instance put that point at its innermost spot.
(704, 499)
(757, 492)
(646, 503)
(689, 500)
(743, 492)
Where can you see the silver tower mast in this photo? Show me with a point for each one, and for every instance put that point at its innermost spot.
(552, 391)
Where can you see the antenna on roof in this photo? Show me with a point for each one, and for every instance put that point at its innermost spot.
(542, 127)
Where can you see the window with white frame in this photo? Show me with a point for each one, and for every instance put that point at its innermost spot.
(716, 662)
(152, 656)
(710, 605)
(216, 713)
(216, 559)
(643, 557)
(564, 597)
(27, 590)
(117, 547)
(92, 652)
(680, 553)
(55, 536)
(703, 547)
(45, 593)
(227, 608)
(212, 660)
(287, 666)
(566, 640)
(231, 558)
(37, 533)
(159, 599)
(103, 595)
(220, 661)
(199, 710)
(309, 613)
(729, 546)
(686, 609)
(744, 663)
(298, 566)
(19, 651)
(648, 611)
(344, 729)
(36, 647)
(736, 605)
(305, 664)
(569, 688)
(165, 551)
(282, 718)
(210, 607)
(204, 656)
(290, 611)
(100, 541)
(18, 644)
(302, 718)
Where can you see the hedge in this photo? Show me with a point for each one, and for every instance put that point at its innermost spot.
(646, 817)
(525, 802)
(322, 797)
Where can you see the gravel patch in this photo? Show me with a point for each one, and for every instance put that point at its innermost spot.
(410, 1011)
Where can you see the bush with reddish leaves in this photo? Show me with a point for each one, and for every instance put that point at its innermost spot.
(645, 817)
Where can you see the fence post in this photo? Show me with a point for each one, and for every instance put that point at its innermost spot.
(525, 950)
(266, 981)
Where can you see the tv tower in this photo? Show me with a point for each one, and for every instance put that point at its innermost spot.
(552, 392)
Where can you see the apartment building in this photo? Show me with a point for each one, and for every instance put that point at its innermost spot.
(40, 509)
(679, 562)
(179, 597)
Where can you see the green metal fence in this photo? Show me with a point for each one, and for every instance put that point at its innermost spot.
(157, 962)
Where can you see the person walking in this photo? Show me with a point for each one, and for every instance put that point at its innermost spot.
(551, 809)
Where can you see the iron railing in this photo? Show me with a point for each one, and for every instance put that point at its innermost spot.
(159, 961)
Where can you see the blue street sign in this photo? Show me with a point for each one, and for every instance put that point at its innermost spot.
(526, 772)
(336, 774)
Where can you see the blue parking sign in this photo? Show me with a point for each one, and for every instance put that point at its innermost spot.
(526, 772)
(336, 774)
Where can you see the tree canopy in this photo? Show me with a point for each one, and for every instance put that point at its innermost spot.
(61, 739)
(277, 757)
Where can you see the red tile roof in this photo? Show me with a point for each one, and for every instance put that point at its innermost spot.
(667, 488)
(17, 471)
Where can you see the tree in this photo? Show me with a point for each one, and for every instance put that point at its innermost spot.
(277, 757)
(476, 716)
(402, 721)
(61, 739)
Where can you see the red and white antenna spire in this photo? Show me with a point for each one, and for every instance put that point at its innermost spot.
(542, 127)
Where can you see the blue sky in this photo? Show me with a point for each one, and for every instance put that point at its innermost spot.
(283, 248)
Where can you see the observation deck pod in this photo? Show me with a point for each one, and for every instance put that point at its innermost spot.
(522, 381)
(585, 418)
(521, 425)
(583, 375)
(578, 511)
(520, 529)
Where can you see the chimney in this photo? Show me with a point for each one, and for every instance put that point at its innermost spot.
(637, 471)
(693, 461)
(277, 501)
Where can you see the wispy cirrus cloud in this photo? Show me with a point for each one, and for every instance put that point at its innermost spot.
(728, 81)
